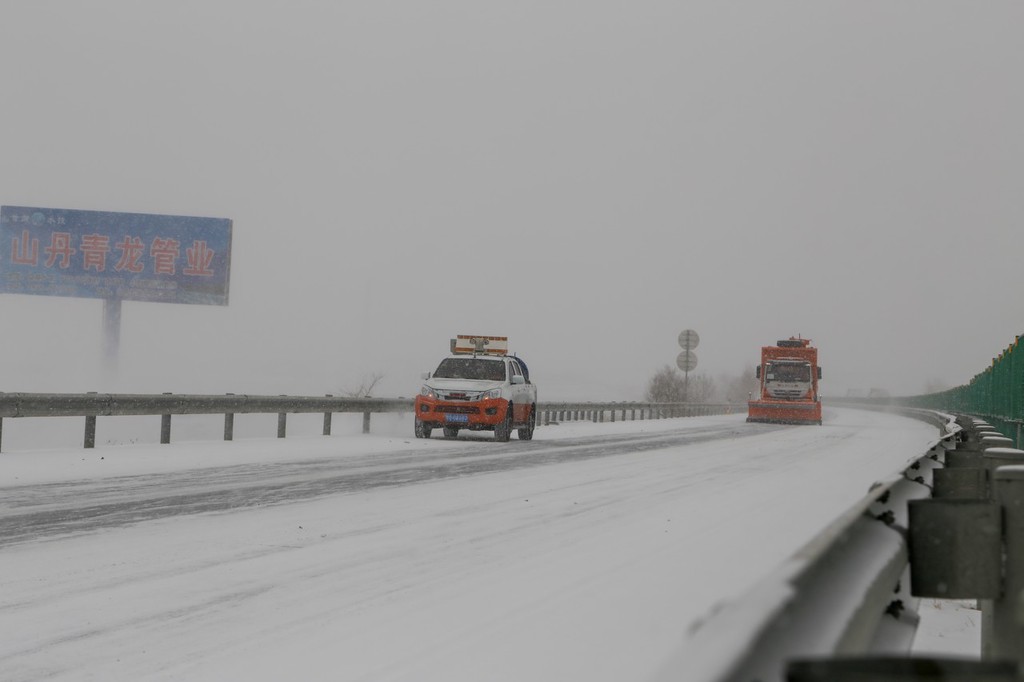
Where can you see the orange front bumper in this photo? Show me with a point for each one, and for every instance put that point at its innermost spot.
(474, 415)
(784, 412)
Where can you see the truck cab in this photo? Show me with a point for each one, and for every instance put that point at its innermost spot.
(789, 379)
(478, 387)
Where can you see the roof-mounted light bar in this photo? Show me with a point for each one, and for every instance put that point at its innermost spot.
(480, 345)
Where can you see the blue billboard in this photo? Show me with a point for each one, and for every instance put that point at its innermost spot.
(114, 256)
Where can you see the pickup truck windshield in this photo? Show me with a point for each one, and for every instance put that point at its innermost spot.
(471, 368)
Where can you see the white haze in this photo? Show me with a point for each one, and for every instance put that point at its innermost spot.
(587, 178)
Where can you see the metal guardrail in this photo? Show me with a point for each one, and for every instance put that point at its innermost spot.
(93, 405)
(550, 413)
(846, 592)
(844, 608)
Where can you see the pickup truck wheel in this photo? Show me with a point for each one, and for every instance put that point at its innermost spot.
(422, 430)
(526, 432)
(451, 431)
(503, 431)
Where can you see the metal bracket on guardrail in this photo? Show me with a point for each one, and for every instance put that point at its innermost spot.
(968, 542)
(954, 549)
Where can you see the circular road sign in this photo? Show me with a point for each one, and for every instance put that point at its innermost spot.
(686, 361)
(688, 339)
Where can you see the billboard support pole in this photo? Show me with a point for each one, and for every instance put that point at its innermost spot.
(111, 335)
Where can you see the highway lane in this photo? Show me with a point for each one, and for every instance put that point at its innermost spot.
(589, 553)
(35, 512)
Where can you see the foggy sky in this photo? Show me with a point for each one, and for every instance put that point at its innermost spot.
(588, 179)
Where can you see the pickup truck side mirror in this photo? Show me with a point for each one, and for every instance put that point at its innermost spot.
(425, 376)
(518, 379)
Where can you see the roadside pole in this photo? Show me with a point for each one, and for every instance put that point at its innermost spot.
(111, 338)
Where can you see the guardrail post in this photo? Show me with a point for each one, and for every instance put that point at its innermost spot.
(992, 459)
(327, 420)
(1, 432)
(229, 425)
(282, 423)
(165, 426)
(1004, 638)
(90, 432)
(366, 422)
(995, 442)
(90, 428)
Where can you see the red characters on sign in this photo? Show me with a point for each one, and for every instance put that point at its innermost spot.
(131, 249)
(95, 248)
(199, 258)
(25, 251)
(130, 253)
(60, 247)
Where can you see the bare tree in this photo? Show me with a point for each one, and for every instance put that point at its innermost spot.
(668, 385)
(365, 388)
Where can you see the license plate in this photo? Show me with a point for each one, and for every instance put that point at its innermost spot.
(456, 418)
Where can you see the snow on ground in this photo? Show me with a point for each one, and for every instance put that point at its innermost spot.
(594, 569)
(949, 627)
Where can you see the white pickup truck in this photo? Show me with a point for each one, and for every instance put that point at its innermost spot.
(479, 387)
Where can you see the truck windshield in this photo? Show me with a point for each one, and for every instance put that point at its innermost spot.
(789, 372)
(471, 368)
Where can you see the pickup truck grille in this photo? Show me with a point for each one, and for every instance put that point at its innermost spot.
(458, 409)
(457, 395)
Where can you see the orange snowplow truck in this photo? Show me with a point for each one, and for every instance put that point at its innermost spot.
(789, 375)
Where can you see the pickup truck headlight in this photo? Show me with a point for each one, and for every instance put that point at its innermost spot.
(493, 393)
(428, 392)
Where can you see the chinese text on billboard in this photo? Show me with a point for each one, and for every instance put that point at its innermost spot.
(126, 256)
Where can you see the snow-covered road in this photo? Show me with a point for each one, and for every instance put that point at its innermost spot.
(589, 553)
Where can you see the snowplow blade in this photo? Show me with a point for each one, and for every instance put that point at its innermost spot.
(784, 412)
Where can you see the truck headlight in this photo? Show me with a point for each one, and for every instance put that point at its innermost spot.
(428, 392)
(493, 393)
